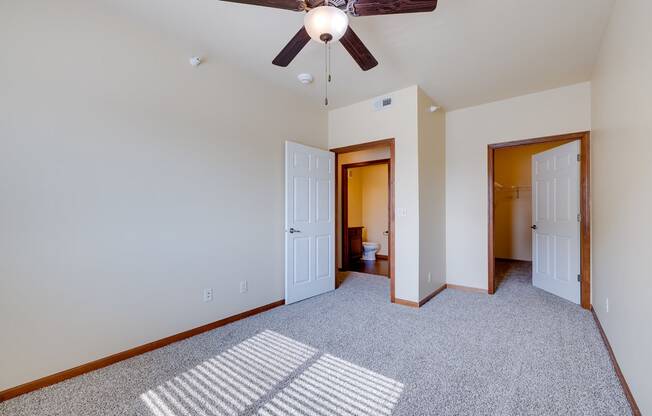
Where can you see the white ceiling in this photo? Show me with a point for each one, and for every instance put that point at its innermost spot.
(467, 52)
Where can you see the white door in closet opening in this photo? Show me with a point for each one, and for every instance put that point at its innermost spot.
(556, 221)
(309, 222)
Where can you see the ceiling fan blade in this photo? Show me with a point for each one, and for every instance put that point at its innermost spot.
(293, 48)
(277, 4)
(357, 50)
(377, 7)
(340, 4)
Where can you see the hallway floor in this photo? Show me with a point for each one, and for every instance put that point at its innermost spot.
(514, 269)
(378, 267)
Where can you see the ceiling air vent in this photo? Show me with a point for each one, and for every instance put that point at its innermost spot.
(382, 103)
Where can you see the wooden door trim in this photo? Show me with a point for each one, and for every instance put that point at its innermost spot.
(363, 146)
(585, 207)
(339, 200)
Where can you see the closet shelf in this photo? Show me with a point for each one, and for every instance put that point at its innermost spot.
(515, 189)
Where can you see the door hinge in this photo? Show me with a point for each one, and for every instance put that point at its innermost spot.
(579, 278)
(579, 218)
(579, 158)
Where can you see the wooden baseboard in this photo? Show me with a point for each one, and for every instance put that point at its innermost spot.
(422, 302)
(466, 288)
(432, 295)
(382, 257)
(506, 259)
(628, 393)
(404, 302)
(435, 293)
(112, 359)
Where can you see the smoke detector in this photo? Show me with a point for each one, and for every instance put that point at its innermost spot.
(195, 61)
(305, 79)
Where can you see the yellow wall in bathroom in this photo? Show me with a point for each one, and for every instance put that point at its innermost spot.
(355, 197)
(368, 203)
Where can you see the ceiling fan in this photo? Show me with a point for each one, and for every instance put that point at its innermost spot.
(327, 21)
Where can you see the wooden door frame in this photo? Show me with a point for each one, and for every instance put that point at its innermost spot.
(344, 198)
(585, 207)
(392, 168)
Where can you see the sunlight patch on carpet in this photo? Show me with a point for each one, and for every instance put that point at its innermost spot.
(242, 379)
(332, 386)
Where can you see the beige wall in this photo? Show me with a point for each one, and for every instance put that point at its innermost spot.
(368, 202)
(432, 193)
(621, 172)
(359, 123)
(468, 132)
(130, 181)
(513, 209)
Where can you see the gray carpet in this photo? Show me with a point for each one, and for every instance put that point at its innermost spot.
(520, 352)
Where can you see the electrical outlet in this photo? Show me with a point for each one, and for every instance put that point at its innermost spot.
(607, 304)
(208, 295)
(243, 286)
(429, 277)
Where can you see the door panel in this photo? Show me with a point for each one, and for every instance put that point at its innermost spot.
(541, 244)
(309, 221)
(301, 257)
(562, 255)
(301, 161)
(301, 200)
(541, 207)
(323, 244)
(323, 200)
(562, 188)
(555, 213)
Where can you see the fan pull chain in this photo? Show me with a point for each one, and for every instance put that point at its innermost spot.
(330, 63)
(327, 53)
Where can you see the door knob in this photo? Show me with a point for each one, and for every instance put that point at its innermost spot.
(292, 231)
(534, 227)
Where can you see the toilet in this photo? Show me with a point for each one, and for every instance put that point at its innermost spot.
(369, 251)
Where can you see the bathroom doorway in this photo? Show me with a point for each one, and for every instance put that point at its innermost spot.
(365, 217)
(380, 154)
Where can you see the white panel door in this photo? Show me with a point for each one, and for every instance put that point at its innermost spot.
(309, 222)
(556, 221)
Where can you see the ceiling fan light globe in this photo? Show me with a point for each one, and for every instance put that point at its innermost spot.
(326, 20)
